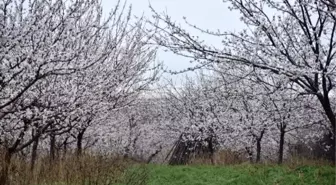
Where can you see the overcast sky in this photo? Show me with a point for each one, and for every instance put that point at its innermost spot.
(212, 15)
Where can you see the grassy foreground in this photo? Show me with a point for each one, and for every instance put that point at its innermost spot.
(110, 170)
(239, 175)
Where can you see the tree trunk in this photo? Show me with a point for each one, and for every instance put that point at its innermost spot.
(65, 147)
(324, 100)
(52, 147)
(34, 155)
(212, 151)
(250, 154)
(153, 155)
(258, 151)
(259, 146)
(281, 145)
(80, 142)
(5, 168)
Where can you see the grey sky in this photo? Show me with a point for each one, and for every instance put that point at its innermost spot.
(212, 15)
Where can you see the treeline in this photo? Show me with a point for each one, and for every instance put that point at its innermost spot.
(73, 81)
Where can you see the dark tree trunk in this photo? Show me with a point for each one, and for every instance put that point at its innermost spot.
(211, 151)
(259, 146)
(325, 102)
(250, 154)
(52, 147)
(180, 152)
(34, 154)
(65, 147)
(258, 151)
(80, 142)
(153, 155)
(5, 168)
(281, 145)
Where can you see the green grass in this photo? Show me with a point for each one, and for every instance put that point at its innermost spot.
(225, 175)
(240, 174)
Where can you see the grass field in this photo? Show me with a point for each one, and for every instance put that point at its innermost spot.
(95, 170)
(240, 175)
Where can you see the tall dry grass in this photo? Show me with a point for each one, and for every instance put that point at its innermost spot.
(100, 169)
(294, 161)
(88, 169)
(228, 157)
